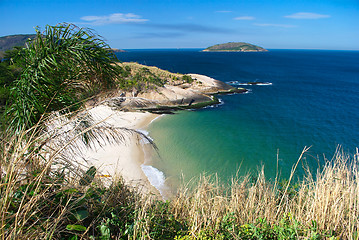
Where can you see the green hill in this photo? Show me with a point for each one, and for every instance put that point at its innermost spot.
(19, 40)
(235, 47)
(11, 41)
(8, 42)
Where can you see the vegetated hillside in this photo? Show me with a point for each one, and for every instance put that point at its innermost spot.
(19, 40)
(236, 47)
(8, 42)
(11, 41)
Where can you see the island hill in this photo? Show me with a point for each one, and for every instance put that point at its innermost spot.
(235, 47)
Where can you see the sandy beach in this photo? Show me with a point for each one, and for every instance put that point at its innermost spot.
(121, 159)
(130, 158)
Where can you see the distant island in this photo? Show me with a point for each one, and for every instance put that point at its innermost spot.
(116, 50)
(235, 47)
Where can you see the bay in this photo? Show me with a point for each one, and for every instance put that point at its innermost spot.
(312, 101)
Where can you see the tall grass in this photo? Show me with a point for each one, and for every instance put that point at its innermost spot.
(41, 201)
(321, 205)
(44, 194)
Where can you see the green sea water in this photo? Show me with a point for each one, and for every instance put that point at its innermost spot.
(312, 101)
(193, 142)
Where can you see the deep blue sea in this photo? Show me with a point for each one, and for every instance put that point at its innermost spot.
(313, 100)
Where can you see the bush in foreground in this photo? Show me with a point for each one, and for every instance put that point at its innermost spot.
(60, 67)
(41, 200)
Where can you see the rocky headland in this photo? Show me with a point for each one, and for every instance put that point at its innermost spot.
(149, 91)
(176, 91)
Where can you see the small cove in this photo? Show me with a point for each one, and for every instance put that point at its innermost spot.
(312, 102)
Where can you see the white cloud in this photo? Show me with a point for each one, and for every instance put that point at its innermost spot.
(115, 18)
(307, 15)
(274, 25)
(244, 18)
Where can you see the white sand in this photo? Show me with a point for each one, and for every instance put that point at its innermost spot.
(122, 159)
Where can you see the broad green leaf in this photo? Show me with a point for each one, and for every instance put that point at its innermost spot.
(79, 228)
(81, 214)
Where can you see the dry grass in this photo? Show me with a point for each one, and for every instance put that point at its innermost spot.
(135, 67)
(42, 185)
(41, 201)
(326, 203)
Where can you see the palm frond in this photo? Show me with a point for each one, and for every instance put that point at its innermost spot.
(62, 65)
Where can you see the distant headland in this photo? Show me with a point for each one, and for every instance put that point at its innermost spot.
(19, 40)
(116, 50)
(235, 47)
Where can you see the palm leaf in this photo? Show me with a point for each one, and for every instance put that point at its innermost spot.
(62, 65)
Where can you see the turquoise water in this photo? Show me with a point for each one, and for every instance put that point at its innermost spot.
(313, 101)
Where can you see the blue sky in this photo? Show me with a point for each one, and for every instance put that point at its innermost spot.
(126, 24)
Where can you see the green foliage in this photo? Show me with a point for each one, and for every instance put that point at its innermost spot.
(128, 68)
(88, 177)
(79, 228)
(142, 80)
(187, 79)
(163, 223)
(9, 72)
(104, 212)
(61, 66)
(288, 228)
(291, 191)
(113, 213)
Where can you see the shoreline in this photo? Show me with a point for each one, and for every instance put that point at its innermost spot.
(123, 159)
(129, 158)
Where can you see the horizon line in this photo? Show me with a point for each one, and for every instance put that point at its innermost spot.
(179, 48)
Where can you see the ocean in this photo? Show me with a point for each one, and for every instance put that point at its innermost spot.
(311, 99)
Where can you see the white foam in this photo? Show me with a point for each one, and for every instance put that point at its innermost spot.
(250, 84)
(157, 118)
(248, 91)
(233, 82)
(155, 176)
(264, 84)
(220, 102)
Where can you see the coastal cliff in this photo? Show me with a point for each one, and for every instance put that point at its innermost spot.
(159, 91)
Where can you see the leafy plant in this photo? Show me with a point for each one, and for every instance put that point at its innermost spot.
(61, 66)
(187, 78)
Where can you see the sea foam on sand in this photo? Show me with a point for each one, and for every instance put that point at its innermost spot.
(125, 159)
